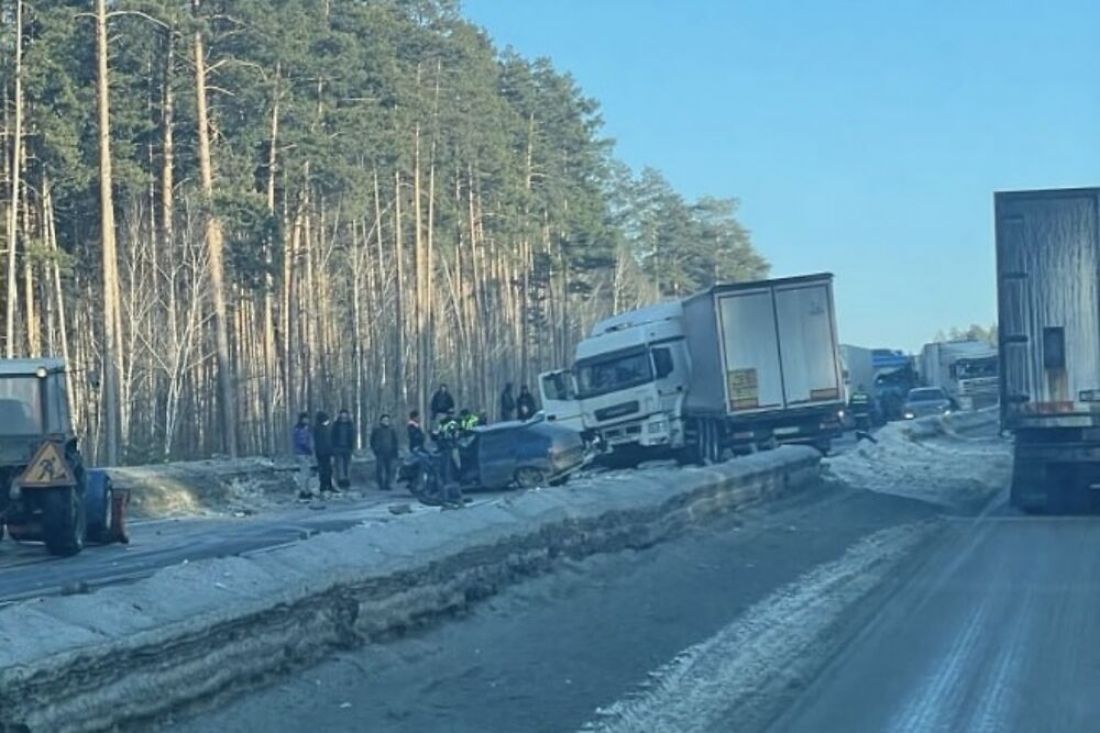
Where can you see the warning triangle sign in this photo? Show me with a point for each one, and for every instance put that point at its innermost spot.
(48, 468)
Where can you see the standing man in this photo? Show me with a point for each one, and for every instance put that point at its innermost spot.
(507, 404)
(415, 432)
(442, 402)
(383, 443)
(303, 454)
(322, 448)
(343, 443)
(526, 407)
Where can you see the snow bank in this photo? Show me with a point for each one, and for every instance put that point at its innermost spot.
(934, 465)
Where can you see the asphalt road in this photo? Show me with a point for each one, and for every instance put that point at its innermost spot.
(27, 571)
(545, 655)
(998, 631)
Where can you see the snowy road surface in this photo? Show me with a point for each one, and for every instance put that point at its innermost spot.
(610, 632)
(27, 571)
(990, 625)
(834, 610)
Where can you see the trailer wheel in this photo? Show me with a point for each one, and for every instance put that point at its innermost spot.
(63, 521)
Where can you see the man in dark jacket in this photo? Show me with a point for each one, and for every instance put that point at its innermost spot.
(383, 443)
(442, 402)
(343, 443)
(415, 432)
(526, 407)
(322, 449)
(507, 404)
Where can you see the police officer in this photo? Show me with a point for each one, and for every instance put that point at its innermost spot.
(859, 405)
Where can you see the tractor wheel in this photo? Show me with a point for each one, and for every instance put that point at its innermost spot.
(63, 521)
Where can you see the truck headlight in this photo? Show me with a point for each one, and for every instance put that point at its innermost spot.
(657, 427)
(909, 415)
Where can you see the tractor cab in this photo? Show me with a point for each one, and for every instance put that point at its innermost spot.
(44, 488)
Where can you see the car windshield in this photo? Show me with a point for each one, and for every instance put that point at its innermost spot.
(927, 395)
(20, 412)
(610, 373)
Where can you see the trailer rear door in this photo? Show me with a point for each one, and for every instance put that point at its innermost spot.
(1048, 257)
(750, 350)
(807, 343)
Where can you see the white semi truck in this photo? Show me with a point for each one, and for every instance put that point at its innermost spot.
(965, 370)
(1048, 257)
(739, 366)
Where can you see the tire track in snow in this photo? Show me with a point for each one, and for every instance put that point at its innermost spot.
(775, 637)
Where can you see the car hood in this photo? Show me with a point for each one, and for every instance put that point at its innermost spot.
(930, 407)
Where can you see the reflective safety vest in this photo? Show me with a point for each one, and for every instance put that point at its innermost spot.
(470, 422)
(859, 399)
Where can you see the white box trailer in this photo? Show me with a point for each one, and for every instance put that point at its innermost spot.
(758, 347)
(1048, 292)
(858, 367)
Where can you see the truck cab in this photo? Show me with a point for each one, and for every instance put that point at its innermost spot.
(628, 381)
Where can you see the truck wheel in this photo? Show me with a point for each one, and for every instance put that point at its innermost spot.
(530, 478)
(63, 521)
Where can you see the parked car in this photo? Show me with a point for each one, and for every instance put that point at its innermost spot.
(524, 454)
(925, 402)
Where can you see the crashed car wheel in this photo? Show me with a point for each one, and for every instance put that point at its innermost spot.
(63, 521)
(530, 478)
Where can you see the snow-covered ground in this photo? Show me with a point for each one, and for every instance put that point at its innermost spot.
(929, 461)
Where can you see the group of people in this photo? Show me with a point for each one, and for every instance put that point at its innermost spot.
(331, 442)
(522, 407)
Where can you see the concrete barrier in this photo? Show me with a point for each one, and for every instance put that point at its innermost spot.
(192, 635)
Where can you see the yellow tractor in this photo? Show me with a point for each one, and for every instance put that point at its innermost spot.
(46, 493)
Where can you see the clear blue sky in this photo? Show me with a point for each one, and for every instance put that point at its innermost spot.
(864, 138)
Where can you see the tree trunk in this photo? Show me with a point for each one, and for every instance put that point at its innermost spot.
(112, 346)
(13, 206)
(215, 245)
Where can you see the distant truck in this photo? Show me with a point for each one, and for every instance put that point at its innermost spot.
(739, 366)
(965, 370)
(1048, 257)
(858, 364)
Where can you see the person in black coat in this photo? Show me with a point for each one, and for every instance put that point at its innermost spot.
(383, 443)
(507, 404)
(343, 443)
(526, 407)
(415, 432)
(442, 402)
(322, 449)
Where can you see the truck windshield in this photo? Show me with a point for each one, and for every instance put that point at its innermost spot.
(976, 368)
(20, 411)
(613, 372)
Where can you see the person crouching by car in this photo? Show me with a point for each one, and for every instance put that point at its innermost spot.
(343, 443)
(383, 443)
